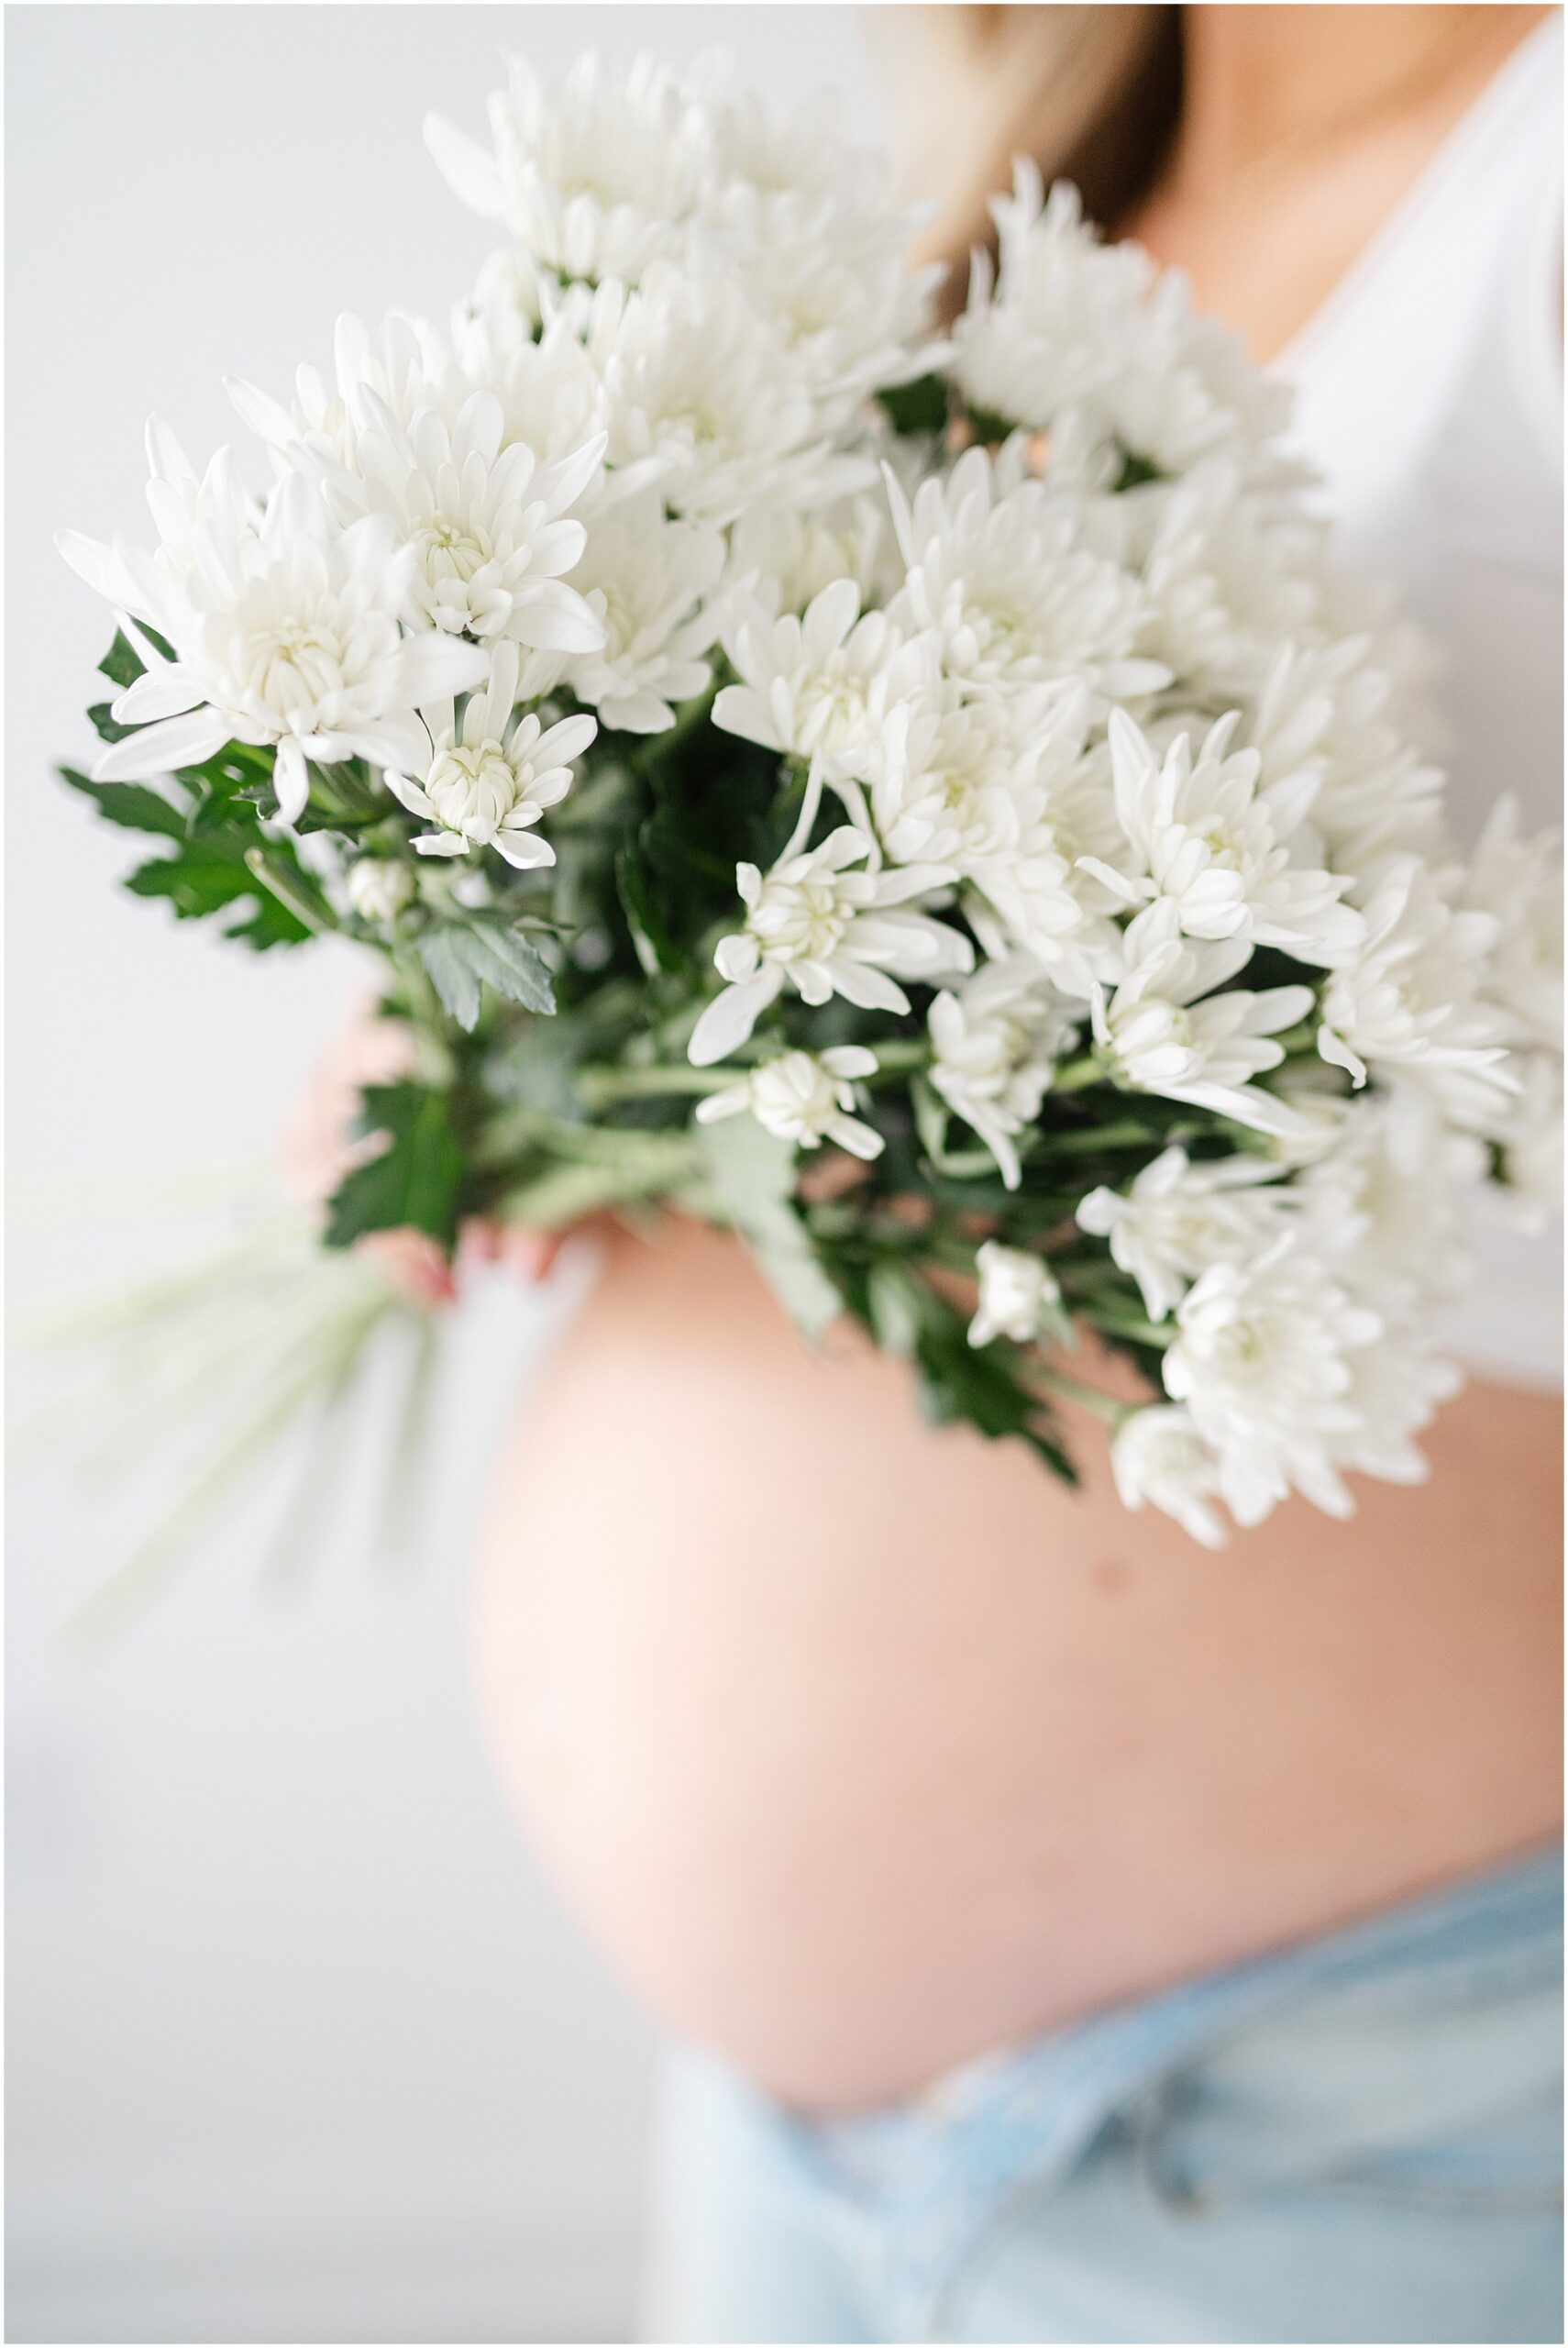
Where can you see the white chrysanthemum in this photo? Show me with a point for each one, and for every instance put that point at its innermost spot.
(1075, 330)
(1529, 1136)
(698, 380)
(958, 782)
(403, 362)
(1395, 1385)
(783, 556)
(997, 566)
(796, 147)
(492, 528)
(1264, 1360)
(826, 922)
(1166, 1030)
(805, 1098)
(379, 887)
(1320, 1099)
(970, 785)
(1185, 391)
(823, 686)
(1160, 1460)
(1178, 1218)
(1411, 998)
(1082, 805)
(1207, 839)
(552, 396)
(1326, 707)
(548, 390)
(802, 213)
(839, 290)
(1392, 1201)
(285, 629)
(508, 296)
(1519, 882)
(648, 581)
(1045, 328)
(1019, 1297)
(995, 1048)
(493, 773)
(593, 173)
(1230, 575)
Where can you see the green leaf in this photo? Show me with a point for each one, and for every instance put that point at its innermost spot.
(107, 728)
(1135, 471)
(122, 663)
(920, 407)
(461, 957)
(133, 804)
(537, 1068)
(413, 1180)
(753, 1175)
(241, 771)
(980, 1387)
(989, 428)
(892, 1307)
(569, 1191)
(456, 984)
(209, 874)
(641, 903)
(221, 856)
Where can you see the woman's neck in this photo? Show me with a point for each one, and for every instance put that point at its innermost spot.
(1301, 129)
(1266, 83)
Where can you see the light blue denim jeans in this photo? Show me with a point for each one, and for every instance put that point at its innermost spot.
(1358, 2139)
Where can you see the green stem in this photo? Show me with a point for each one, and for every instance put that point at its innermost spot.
(1129, 1325)
(899, 1057)
(958, 1254)
(289, 890)
(600, 1086)
(1124, 1135)
(1083, 1278)
(692, 714)
(425, 1005)
(339, 790)
(1090, 1070)
(1090, 1397)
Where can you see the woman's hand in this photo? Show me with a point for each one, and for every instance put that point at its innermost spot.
(320, 1147)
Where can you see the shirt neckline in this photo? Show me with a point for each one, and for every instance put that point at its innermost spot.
(1308, 346)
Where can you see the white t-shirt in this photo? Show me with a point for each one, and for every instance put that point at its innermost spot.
(1430, 397)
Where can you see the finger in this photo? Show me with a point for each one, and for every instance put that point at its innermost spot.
(524, 1250)
(414, 1263)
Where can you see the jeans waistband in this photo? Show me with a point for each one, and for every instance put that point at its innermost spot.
(927, 2178)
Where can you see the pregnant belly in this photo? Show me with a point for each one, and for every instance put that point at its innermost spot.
(861, 1747)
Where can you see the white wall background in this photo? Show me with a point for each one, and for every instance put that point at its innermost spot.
(298, 2045)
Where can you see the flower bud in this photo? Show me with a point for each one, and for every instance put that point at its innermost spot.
(379, 888)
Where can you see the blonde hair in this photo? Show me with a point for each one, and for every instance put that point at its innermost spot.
(1091, 93)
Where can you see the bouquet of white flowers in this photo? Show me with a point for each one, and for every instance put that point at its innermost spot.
(748, 722)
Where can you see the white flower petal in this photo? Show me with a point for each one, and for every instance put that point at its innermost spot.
(432, 668)
(291, 779)
(407, 793)
(163, 692)
(184, 741)
(467, 170)
(860, 1140)
(524, 851)
(730, 1018)
(732, 1101)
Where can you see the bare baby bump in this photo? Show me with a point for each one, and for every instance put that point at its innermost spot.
(861, 1746)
